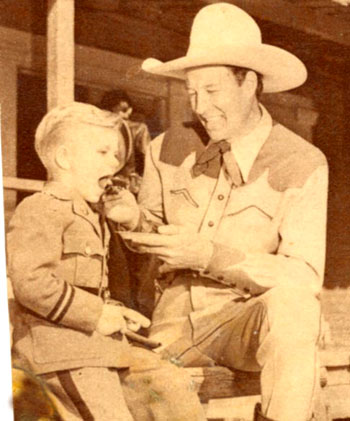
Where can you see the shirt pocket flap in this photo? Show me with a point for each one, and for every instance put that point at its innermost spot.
(75, 244)
(252, 201)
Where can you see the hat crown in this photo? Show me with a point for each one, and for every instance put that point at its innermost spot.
(222, 24)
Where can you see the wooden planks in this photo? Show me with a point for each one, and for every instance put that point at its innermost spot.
(231, 395)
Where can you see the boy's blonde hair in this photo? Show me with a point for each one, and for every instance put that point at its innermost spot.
(49, 133)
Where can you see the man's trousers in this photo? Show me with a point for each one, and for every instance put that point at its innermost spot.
(275, 333)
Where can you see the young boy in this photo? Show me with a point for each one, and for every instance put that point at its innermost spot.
(69, 334)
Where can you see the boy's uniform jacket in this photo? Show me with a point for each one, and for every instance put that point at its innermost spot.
(57, 265)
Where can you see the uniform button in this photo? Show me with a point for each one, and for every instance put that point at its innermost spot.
(221, 197)
(195, 275)
(88, 250)
(210, 223)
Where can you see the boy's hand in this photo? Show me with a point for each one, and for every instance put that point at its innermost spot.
(117, 319)
(121, 207)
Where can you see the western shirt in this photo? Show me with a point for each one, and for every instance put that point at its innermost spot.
(268, 231)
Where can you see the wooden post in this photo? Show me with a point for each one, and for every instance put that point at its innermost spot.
(8, 116)
(60, 52)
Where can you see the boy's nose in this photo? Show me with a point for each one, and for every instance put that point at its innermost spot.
(114, 163)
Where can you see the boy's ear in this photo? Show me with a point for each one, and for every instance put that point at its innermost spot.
(62, 158)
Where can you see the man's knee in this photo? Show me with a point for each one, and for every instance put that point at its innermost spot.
(293, 312)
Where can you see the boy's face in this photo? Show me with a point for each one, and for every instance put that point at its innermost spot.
(96, 153)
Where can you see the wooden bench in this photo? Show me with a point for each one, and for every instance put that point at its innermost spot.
(231, 395)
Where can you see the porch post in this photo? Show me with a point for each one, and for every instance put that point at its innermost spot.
(60, 52)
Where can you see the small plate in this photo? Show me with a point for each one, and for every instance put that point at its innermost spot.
(143, 238)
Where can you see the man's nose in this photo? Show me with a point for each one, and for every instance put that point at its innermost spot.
(202, 102)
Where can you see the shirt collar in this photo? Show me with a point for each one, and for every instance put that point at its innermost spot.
(247, 148)
(63, 192)
(59, 190)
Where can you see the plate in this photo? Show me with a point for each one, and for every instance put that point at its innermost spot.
(143, 238)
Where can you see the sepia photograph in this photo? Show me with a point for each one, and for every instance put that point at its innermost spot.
(175, 235)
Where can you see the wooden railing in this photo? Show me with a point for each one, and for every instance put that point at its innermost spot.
(22, 184)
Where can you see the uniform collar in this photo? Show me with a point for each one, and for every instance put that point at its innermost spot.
(79, 205)
(247, 148)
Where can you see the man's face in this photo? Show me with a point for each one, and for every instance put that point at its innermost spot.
(221, 104)
(95, 154)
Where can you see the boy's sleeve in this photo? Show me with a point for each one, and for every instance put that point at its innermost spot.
(34, 249)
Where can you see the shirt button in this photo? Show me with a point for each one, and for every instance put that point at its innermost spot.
(88, 250)
(221, 197)
(195, 275)
(210, 223)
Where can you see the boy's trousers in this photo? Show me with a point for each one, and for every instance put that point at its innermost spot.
(151, 389)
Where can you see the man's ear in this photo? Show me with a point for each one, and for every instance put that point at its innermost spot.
(62, 158)
(251, 82)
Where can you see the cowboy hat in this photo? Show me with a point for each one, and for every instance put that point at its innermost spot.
(223, 34)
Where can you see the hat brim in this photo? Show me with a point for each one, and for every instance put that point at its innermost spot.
(281, 70)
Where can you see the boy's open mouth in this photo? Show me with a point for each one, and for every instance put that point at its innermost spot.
(105, 182)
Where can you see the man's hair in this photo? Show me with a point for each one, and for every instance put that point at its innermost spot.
(113, 98)
(240, 74)
(51, 131)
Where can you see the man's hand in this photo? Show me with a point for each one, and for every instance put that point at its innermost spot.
(121, 207)
(175, 245)
(118, 318)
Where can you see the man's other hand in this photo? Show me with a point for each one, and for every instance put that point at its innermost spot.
(177, 246)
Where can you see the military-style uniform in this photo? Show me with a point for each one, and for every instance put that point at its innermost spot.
(57, 251)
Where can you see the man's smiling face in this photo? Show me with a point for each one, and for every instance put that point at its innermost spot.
(221, 104)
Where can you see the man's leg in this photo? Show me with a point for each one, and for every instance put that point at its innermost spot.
(288, 353)
(157, 390)
(276, 333)
(88, 394)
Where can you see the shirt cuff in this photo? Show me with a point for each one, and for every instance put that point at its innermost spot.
(222, 258)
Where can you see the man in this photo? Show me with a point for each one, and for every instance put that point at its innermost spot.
(240, 214)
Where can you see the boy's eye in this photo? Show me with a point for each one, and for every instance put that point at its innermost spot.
(102, 152)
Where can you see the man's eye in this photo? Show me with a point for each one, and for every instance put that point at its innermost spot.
(102, 152)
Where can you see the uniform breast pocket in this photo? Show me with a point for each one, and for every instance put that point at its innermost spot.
(82, 261)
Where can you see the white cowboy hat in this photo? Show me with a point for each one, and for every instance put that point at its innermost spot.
(223, 34)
